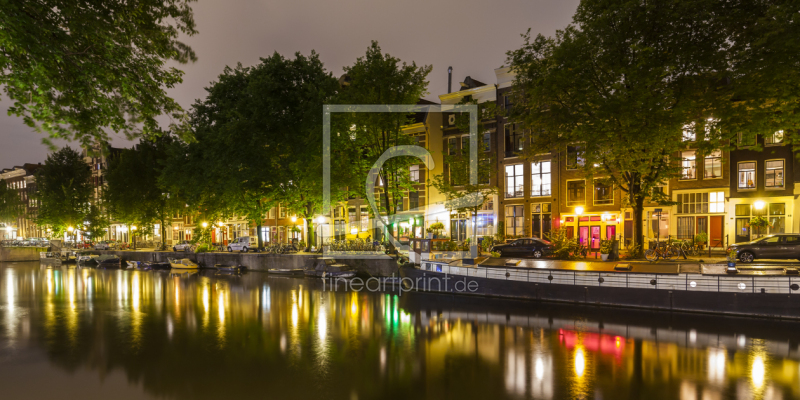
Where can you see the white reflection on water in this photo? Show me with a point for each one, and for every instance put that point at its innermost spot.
(11, 310)
(716, 365)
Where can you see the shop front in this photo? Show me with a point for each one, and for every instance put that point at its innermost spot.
(591, 227)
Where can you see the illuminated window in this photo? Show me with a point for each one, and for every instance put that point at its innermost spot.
(576, 193)
(603, 194)
(514, 181)
(712, 167)
(688, 133)
(774, 139)
(688, 165)
(747, 175)
(774, 174)
(716, 202)
(540, 179)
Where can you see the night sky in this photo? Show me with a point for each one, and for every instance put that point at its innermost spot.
(471, 35)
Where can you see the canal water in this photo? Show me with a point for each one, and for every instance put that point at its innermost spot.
(83, 333)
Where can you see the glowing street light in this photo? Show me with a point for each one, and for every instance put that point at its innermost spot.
(759, 204)
(294, 219)
(205, 224)
(70, 229)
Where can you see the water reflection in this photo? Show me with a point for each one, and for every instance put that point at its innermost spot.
(202, 335)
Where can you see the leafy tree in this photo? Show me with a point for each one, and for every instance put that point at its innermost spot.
(97, 222)
(625, 79)
(65, 191)
(257, 131)
(134, 194)
(378, 78)
(78, 69)
(11, 206)
(460, 192)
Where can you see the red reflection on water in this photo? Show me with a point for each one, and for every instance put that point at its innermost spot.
(594, 342)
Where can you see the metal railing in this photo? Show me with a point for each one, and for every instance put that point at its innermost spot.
(682, 281)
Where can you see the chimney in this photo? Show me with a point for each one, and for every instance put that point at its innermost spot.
(449, 79)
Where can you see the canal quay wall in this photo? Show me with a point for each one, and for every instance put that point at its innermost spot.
(760, 296)
(379, 266)
(20, 253)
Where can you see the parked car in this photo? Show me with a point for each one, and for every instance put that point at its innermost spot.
(182, 246)
(784, 246)
(243, 243)
(102, 245)
(525, 247)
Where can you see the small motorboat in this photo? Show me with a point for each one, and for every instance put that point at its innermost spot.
(286, 271)
(183, 263)
(84, 258)
(49, 259)
(338, 274)
(109, 262)
(235, 269)
(132, 264)
(155, 265)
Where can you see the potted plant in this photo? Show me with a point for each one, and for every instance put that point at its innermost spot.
(437, 228)
(759, 223)
(701, 239)
(605, 249)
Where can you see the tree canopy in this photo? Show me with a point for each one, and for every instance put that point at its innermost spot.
(65, 191)
(625, 80)
(77, 69)
(258, 139)
(133, 193)
(381, 79)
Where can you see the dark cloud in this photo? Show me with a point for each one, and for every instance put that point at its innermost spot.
(471, 35)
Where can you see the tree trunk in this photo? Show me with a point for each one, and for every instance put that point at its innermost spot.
(309, 233)
(638, 226)
(258, 221)
(258, 235)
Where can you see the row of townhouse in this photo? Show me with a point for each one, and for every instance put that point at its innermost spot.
(22, 179)
(717, 194)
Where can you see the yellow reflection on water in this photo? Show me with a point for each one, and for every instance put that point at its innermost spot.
(580, 362)
(136, 290)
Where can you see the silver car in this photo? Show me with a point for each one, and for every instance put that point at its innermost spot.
(102, 246)
(182, 246)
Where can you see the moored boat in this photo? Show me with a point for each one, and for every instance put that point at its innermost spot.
(230, 268)
(286, 271)
(49, 259)
(109, 262)
(156, 265)
(183, 263)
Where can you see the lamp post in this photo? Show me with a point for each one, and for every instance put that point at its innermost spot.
(133, 236)
(294, 224)
(70, 229)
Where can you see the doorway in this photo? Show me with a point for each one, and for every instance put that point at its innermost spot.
(611, 232)
(583, 233)
(715, 232)
(595, 245)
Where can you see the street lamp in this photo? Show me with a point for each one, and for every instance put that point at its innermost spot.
(205, 224)
(759, 204)
(133, 228)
